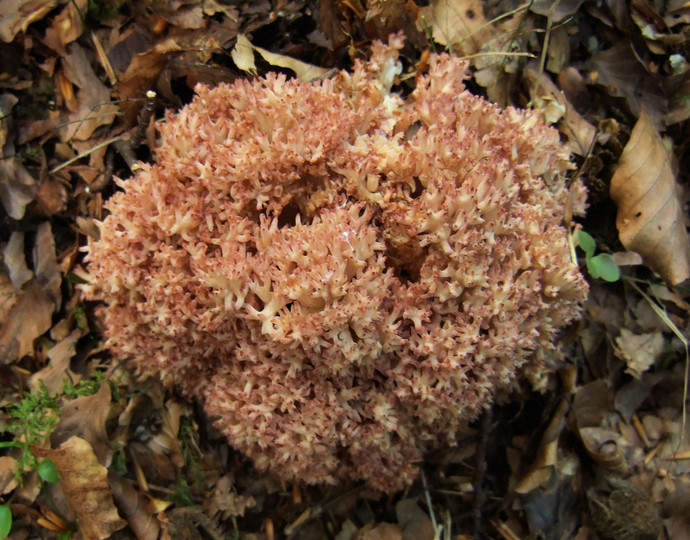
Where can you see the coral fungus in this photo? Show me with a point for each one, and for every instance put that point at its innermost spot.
(344, 277)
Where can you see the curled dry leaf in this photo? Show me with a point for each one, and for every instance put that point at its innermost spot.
(650, 216)
(243, 56)
(639, 351)
(556, 108)
(55, 373)
(67, 25)
(546, 458)
(16, 16)
(85, 484)
(224, 502)
(134, 507)
(606, 447)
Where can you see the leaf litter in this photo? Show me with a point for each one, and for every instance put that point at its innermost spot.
(607, 441)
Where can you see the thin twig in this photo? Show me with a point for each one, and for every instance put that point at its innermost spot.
(84, 154)
(144, 119)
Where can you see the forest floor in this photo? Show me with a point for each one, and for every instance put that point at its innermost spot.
(605, 453)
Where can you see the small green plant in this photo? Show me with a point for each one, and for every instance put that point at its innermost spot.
(85, 387)
(33, 419)
(47, 471)
(182, 495)
(5, 520)
(601, 266)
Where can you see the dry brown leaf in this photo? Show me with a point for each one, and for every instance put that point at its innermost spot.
(8, 299)
(458, 24)
(51, 197)
(190, 16)
(16, 16)
(30, 317)
(639, 351)
(305, 72)
(166, 440)
(224, 502)
(391, 16)
(15, 261)
(650, 215)
(606, 447)
(95, 109)
(68, 25)
(415, 522)
(17, 186)
(380, 531)
(243, 56)
(45, 263)
(134, 506)
(556, 108)
(141, 75)
(546, 458)
(211, 7)
(84, 482)
(55, 373)
(8, 478)
(593, 402)
(85, 417)
(556, 10)
(620, 72)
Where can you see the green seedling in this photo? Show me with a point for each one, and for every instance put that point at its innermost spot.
(47, 472)
(601, 266)
(33, 419)
(5, 520)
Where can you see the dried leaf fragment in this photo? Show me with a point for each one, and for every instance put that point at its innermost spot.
(94, 108)
(85, 484)
(58, 370)
(650, 216)
(639, 351)
(17, 186)
(30, 317)
(17, 16)
(85, 416)
(458, 24)
(243, 56)
(15, 262)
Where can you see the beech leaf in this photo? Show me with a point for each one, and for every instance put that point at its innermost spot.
(650, 216)
(29, 317)
(85, 484)
(243, 56)
(458, 24)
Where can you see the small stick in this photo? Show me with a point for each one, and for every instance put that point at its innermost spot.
(144, 119)
(127, 147)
